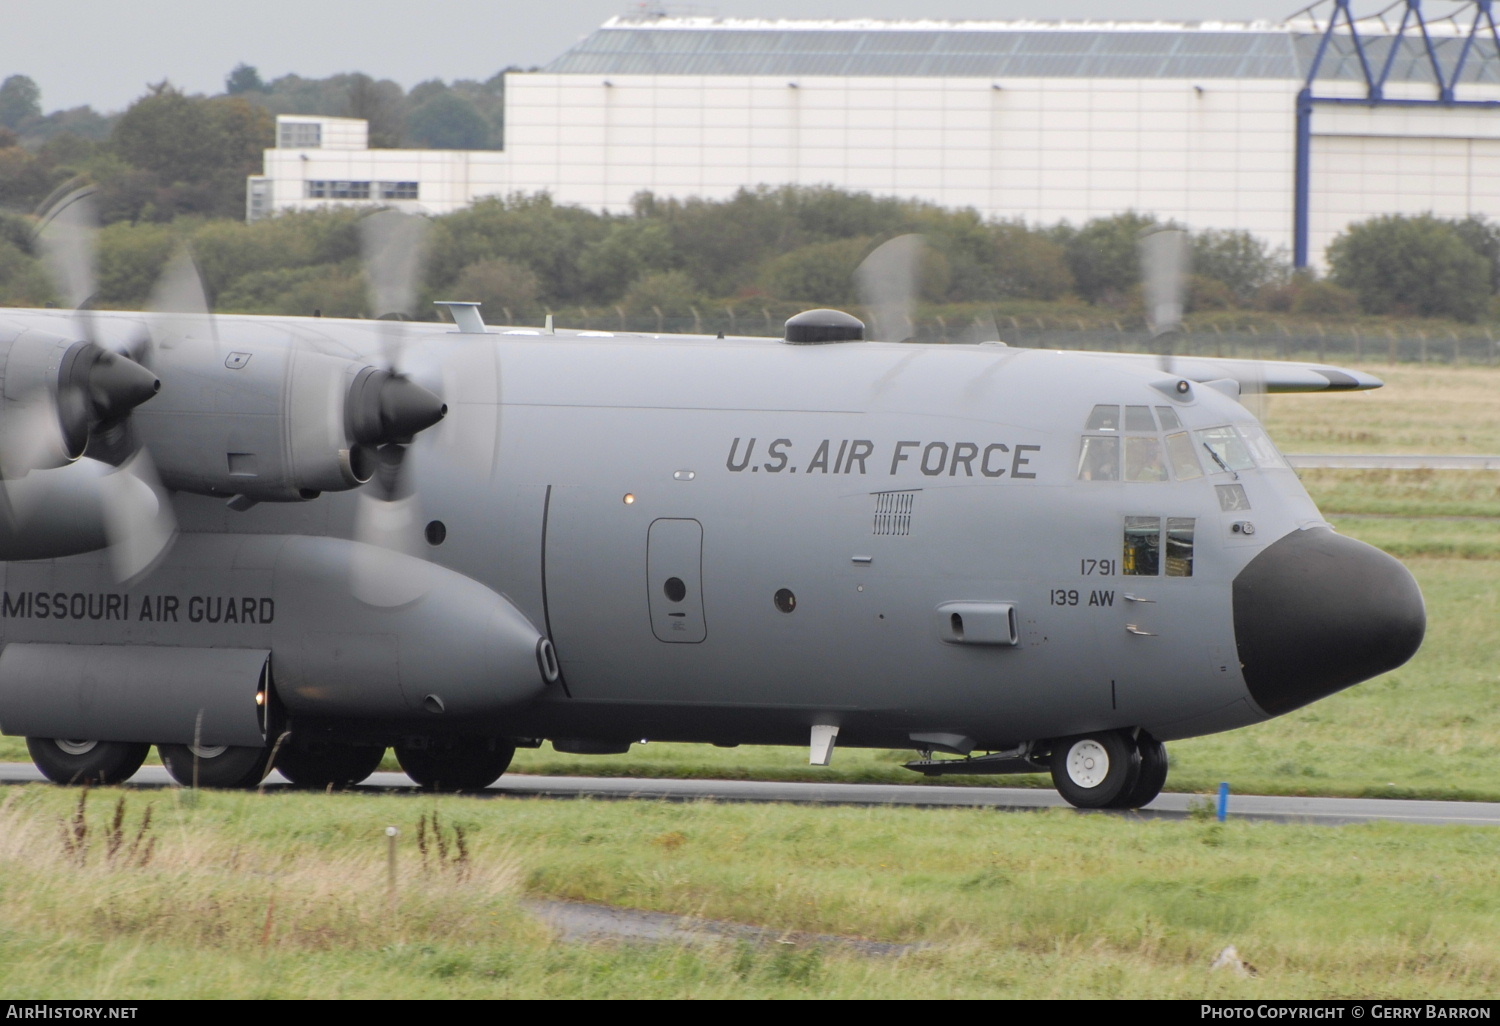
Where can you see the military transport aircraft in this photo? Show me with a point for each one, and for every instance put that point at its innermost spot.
(257, 541)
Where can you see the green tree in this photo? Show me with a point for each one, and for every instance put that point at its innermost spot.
(821, 274)
(671, 292)
(382, 104)
(25, 177)
(244, 79)
(20, 100)
(1483, 237)
(633, 247)
(1243, 262)
(169, 134)
(1103, 255)
(1027, 264)
(447, 122)
(131, 259)
(197, 151)
(22, 280)
(1411, 265)
(500, 285)
(1317, 298)
(528, 230)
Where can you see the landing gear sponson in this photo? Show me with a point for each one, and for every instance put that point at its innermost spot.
(454, 764)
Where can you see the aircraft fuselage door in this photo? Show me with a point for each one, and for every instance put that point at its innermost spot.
(674, 586)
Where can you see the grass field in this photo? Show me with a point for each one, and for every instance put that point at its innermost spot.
(1423, 409)
(287, 895)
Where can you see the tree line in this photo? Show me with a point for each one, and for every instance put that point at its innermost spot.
(172, 167)
(522, 255)
(171, 154)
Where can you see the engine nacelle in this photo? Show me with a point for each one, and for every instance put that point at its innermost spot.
(275, 421)
(266, 423)
(55, 389)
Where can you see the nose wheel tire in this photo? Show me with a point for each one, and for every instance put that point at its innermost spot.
(465, 765)
(1152, 777)
(323, 763)
(1094, 771)
(65, 761)
(221, 766)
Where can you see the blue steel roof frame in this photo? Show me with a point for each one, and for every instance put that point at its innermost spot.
(1375, 88)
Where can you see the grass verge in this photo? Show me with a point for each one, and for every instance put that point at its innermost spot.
(288, 895)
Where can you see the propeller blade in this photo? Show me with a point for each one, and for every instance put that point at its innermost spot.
(179, 310)
(32, 438)
(384, 411)
(1253, 392)
(68, 239)
(887, 282)
(1165, 255)
(138, 517)
(388, 521)
(394, 247)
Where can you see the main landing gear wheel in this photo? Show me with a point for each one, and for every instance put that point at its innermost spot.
(64, 761)
(1153, 774)
(470, 764)
(1094, 771)
(323, 764)
(224, 766)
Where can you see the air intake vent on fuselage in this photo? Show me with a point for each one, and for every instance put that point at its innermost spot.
(893, 512)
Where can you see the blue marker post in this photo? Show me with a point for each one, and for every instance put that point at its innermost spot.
(1223, 802)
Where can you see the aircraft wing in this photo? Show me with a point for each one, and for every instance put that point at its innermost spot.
(1271, 376)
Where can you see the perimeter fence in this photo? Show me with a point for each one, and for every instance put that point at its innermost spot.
(1303, 340)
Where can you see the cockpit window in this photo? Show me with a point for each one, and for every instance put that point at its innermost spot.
(1138, 418)
(1262, 448)
(1183, 457)
(1227, 452)
(1099, 458)
(1104, 418)
(1133, 442)
(1143, 459)
(1142, 556)
(1169, 421)
(1143, 547)
(1180, 546)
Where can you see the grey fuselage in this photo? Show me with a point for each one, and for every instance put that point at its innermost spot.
(881, 486)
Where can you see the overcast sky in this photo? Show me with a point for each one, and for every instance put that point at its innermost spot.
(104, 52)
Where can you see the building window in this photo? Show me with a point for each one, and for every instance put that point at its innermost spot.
(301, 135)
(338, 190)
(398, 190)
(257, 198)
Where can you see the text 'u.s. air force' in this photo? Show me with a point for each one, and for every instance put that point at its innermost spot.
(862, 456)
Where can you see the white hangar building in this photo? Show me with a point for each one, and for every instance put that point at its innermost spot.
(1289, 130)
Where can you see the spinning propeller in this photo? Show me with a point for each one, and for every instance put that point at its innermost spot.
(887, 281)
(85, 407)
(386, 409)
(1166, 257)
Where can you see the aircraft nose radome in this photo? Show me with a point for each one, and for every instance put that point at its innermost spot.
(1316, 612)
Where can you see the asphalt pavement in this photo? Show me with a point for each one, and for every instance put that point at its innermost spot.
(1322, 811)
